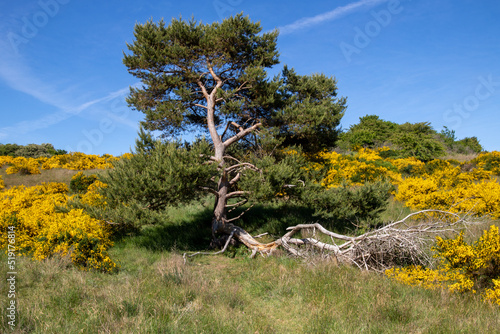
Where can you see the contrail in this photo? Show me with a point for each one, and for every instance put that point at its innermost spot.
(328, 16)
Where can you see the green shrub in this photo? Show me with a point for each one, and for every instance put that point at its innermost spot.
(348, 207)
(80, 182)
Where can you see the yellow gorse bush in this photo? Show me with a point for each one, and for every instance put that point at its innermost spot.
(493, 294)
(2, 184)
(489, 161)
(80, 161)
(365, 166)
(73, 161)
(462, 267)
(43, 231)
(411, 164)
(5, 160)
(24, 166)
(92, 197)
(449, 188)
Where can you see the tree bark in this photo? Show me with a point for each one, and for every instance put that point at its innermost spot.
(220, 223)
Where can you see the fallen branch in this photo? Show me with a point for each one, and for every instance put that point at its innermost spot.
(393, 244)
(209, 253)
(396, 243)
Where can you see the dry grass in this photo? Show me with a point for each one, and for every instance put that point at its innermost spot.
(156, 293)
(50, 175)
(460, 157)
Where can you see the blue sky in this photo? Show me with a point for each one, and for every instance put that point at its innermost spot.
(62, 80)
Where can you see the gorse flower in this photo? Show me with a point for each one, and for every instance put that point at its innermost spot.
(462, 267)
(24, 166)
(448, 188)
(489, 161)
(365, 166)
(43, 231)
(73, 161)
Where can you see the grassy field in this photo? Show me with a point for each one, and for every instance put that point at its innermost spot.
(49, 175)
(156, 292)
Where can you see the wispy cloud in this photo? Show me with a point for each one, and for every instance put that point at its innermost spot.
(61, 115)
(15, 73)
(328, 16)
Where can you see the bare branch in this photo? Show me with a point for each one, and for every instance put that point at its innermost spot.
(243, 165)
(241, 134)
(239, 193)
(240, 215)
(210, 253)
(240, 203)
(210, 190)
(225, 130)
(200, 105)
(235, 179)
(396, 242)
(236, 125)
(232, 158)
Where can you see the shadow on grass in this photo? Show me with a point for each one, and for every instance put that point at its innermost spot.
(192, 232)
(275, 218)
(189, 228)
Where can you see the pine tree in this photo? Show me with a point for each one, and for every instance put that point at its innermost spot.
(212, 78)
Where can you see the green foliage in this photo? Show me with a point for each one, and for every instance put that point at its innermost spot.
(312, 112)
(172, 60)
(417, 140)
(360, 206)
(299, 110)
(80, 182)
(467, 145)
(29, 151)
(281, 174)
(140, 188)
(9, 149)
(371, 132)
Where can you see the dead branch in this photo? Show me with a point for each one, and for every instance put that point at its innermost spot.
(243, 165)
(185, 255)
(401, 242)
(240, 215)
(397, 243)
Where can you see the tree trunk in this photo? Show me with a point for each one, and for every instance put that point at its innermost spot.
(220, 223)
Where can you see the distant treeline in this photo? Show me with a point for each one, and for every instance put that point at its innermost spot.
(30, 150)
(417, 140)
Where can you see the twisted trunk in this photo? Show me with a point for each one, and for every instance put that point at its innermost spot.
(221, 225)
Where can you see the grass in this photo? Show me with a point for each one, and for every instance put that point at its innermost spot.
(155, 292)
(461, 157)
(49, 175)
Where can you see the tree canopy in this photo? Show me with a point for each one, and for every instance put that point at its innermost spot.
(189, 68)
